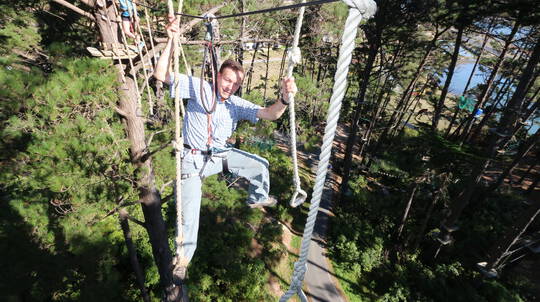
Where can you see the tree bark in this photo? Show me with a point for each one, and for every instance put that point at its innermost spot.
(451, 68)
(406, 212)
(139, 274)
(148, 194)
(266, 73)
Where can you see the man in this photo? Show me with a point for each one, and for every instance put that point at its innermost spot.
(205, 135)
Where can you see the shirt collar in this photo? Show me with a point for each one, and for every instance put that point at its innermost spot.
(221, 100)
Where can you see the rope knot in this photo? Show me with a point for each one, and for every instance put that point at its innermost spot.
(177, 147)
(294, 55)
(298, 274)
(366, 7)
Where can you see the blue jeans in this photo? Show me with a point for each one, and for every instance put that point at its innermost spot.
(244, 164)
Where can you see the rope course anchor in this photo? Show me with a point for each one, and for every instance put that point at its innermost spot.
(358, 10)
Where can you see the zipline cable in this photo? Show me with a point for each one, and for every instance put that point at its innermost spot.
(261, 11)
(358, 10)
(294, 57)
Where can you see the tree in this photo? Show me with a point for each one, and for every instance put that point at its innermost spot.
(498, 137)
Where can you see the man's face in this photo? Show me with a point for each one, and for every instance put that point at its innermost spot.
(228, 82)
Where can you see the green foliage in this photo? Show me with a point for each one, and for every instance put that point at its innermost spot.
(18, 31)
(69, 168)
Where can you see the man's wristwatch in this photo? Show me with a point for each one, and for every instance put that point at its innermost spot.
(284, 102)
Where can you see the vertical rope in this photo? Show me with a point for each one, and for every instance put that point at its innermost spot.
(140, 51)
(359, 9)
(149, 29)
(180, 260)
(188, 68)
(294, 57)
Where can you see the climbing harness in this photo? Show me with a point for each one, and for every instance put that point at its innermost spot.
(294, 57)
(358, 10)
(209, 155)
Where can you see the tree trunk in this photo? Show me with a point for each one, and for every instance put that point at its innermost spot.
(502, 248)
(266, 73)
(351, 141)
(148, 194)
(440, 104)
(487, 88)
(525, 147)
(406, 212)
(480, 52)
(250, 71)
(415, 101)
(429, 212)
(487, 115)
(139, 274)
(241, 44)
(497, 138)
(404, 100)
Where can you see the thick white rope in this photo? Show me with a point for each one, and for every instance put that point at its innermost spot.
(359, 9)
(137, 27)
(180, 260)
(294, 57)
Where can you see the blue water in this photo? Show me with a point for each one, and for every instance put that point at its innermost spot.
(460, 77)
(459, 80)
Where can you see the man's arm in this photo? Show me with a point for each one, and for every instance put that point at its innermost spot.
(274, 111)
(162, 67)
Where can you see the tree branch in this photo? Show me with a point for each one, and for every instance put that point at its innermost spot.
(75, 9)
(121, 112)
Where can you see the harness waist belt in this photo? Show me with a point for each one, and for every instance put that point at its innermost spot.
(203, 152)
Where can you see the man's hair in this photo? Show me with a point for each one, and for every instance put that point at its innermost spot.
(232, 64)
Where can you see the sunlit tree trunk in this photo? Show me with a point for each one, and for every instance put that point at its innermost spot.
(451, 68)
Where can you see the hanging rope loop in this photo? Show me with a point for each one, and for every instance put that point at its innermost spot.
(294, 57)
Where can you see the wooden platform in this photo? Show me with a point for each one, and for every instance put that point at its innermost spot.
(112, 54)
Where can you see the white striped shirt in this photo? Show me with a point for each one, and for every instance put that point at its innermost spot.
(224, 119)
